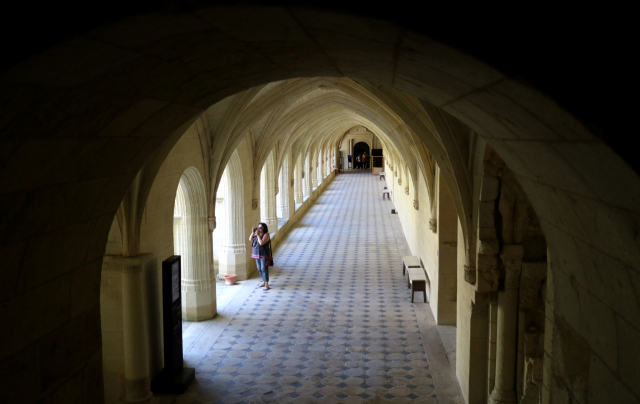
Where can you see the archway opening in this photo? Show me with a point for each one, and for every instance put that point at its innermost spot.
(362, 154)
(564, 169)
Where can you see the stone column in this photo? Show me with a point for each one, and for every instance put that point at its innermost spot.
(298, 181)
(283, 195)
(306, 191)
(353, 158)
(135, 339)
(232, 257)
(313, 170)
(319, 170)
(198, 283)
(268, 198)
(504, 391)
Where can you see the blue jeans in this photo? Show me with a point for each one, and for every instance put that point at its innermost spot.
(263, 268)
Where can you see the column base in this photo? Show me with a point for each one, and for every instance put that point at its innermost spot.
(198, 306)
(284, 212)
(502, 396)
(165, 383)
(272, 223)
(137, 391)
(233, 264)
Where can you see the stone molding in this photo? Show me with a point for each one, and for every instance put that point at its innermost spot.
(416, 205)
(212, 224)
(126, 264)
(254, 204)
(232, 248)
(195, 285)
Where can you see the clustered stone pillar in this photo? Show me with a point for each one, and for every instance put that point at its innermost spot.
(504, 391)
(135, 340)
(313, 170)
(297, 189)
(306, 180)
(283, 195)
(318, 172)
(232, 258)
(327, 163)
(268, 192)
(194, 245)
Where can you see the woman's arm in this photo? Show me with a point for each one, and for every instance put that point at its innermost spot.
(252, 235)
(264, 239)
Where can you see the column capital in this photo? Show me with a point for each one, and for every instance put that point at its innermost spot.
(470, 274)
(512, 261)
(433, 225)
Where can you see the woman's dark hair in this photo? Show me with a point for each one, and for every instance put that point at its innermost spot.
(265, 228)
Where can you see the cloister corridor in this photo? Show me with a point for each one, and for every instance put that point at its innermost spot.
(141, 144)
(337, 325)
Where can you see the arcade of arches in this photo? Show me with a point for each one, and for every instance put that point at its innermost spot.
(168, 134)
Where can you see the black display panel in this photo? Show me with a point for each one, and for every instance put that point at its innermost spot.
(174, 378)
(172, 313)
(175, 281)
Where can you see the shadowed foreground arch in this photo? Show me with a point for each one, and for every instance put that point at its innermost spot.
(83, 118)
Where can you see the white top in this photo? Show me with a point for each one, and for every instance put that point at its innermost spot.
(411, 261)
(417, 274)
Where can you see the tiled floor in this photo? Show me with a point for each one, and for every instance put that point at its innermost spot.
(337, 325)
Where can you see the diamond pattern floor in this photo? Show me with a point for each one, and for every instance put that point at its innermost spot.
(337, 325)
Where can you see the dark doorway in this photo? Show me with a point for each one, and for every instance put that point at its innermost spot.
(359, 149)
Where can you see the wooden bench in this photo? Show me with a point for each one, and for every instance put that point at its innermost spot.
(410, 261)
(387, 195)
(417, 281)
(382, 175)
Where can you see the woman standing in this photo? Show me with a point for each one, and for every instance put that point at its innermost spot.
(261, 246)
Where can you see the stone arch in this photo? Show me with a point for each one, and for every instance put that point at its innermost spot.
(193, 243)
(523, 125)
